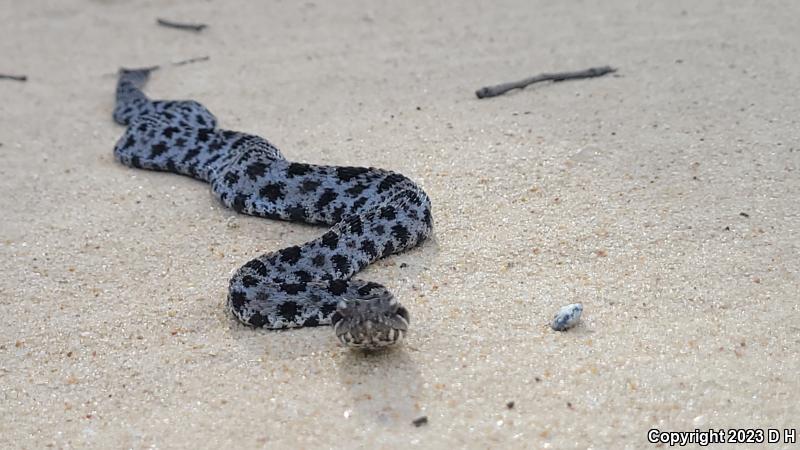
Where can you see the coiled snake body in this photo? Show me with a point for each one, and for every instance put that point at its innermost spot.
(373, 213)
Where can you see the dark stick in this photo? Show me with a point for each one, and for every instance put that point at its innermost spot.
(13, 77)
(181, 26)
(190, 60)
(177, 63)
(420, 421)
(493, 91)
(156, 67)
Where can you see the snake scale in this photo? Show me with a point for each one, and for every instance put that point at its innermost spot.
(372, 213)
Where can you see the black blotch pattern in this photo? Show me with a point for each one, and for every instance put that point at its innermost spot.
(212, 159)
(158, 149)
(355, 225)
(356, 189)
(296, 213)
(341, 263)
(239, 202)
(293, 288)
(297, 169)
(215, 145)
(401, 234)
(330, 239)
(388, 213)
(288, 310)
(303, 276)
(337, 287)
(319, 260)
(328, 309)
(203, 134)
(390, 180)
(249, 281)
(272, 191)
(256, 170)
(368, 247)
(238, 142)
(231, 178)
(410, 196)
(428, 218)
(191, 154)
(309, 186)
(338, 213)
(348, 173)
(258, 267)
(358, 204)
(257, 320)
(128, 142)
(290, 254)
(324, 200)
(169, 131)
(237, 299)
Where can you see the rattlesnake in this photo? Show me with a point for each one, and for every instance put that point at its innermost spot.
(372, 212)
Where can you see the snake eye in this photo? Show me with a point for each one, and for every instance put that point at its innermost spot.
(335, 318)
(403, 312)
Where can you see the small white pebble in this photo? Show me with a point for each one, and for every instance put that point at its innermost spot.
(567, 317)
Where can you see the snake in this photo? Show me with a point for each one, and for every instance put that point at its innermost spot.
(370, 213)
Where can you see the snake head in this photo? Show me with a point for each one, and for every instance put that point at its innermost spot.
(370, 321)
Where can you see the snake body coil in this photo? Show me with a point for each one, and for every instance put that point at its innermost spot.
(372, 213)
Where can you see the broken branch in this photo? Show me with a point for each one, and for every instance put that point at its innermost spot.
(181, 26)
(13, 77)
(493, 91)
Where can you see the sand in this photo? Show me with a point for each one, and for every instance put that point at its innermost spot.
(664, 198)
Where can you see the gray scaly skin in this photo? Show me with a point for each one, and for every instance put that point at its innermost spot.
(372, 213)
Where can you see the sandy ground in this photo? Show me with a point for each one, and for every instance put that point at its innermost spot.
(665, 199)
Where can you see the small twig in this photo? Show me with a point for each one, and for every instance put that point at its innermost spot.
(493, 91)
(190, 60)
(420, 421)
(156, 67)
(13, 77)
(181, 26)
